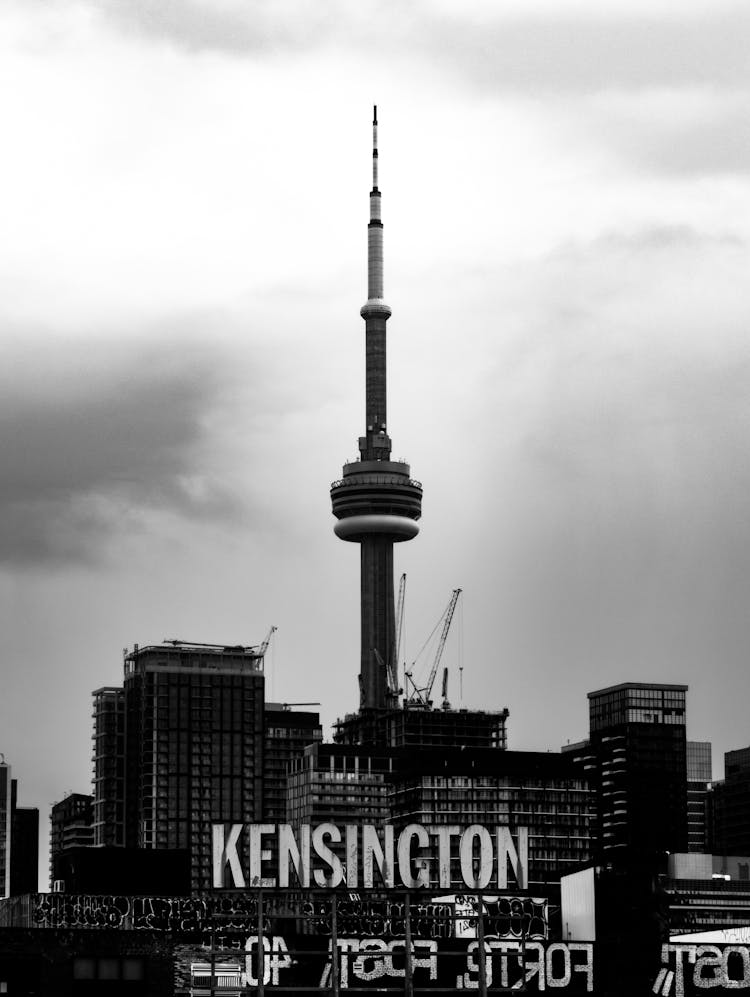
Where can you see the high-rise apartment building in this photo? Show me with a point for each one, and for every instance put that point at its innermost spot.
(544, 792)
(193, 747)
(344, 784)
(109, 767)
(287, 733)
(188, 741)
(636, 758)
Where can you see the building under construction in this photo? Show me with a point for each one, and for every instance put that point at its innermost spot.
(409, 726)
(190, 740)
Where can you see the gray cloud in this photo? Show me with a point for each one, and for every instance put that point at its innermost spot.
(692, 135)
(580, 55)
(634, 449)
(551, 57)
(97, 436)
(263, 27)
(721, 145)
(608, 539)
(656, 239)
(531, 53)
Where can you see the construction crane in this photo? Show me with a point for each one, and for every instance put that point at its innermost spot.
(258, 651)
(393, 670)
(420, 695)
(391, 676)
(264, 646)
(218, 647)
(288, 706)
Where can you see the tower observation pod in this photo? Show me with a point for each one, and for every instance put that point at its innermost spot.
(376, 502)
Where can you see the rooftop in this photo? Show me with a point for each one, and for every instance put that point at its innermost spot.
(638, 685)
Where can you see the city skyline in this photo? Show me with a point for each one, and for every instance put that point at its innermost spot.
(566, 240)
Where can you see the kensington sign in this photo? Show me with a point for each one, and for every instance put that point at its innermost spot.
(366, 856)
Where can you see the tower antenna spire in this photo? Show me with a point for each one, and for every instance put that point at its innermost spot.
(375, 239)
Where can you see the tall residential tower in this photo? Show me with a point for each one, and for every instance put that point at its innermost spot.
(376, 502)
(186, 742)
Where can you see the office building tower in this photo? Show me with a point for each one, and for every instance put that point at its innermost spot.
(71, 826)
(698, 785)
(24, 867)
(636, 757)
(730, 806)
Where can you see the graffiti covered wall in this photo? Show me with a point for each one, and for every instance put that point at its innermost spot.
(289, 963)
(688, 970)
(362, 943)
(508, 916)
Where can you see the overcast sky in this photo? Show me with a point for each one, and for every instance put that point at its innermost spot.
(567, 212)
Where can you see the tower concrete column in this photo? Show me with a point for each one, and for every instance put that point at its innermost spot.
(376, 502)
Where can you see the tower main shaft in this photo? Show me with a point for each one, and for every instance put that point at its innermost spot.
(376, 502)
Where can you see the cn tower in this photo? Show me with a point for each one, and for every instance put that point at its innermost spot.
(376, 502)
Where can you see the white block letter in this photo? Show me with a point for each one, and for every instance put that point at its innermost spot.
(225, 853)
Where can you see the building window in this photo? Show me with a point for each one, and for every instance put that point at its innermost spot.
(108, 968)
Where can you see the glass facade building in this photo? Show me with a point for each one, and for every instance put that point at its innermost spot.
(637, 759)
(633, 703)
(730, 805)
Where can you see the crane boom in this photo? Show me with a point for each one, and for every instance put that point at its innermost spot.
(264, 646)
(441, 645)
(391, 676)
(400, 616)
(421, 695)
(393, 665)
